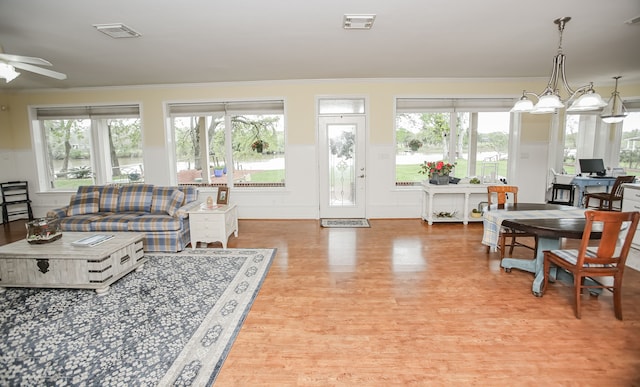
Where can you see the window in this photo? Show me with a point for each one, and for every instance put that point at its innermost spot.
(88, 145)
(473, 133)
(238, 144)
(587, 136)
(630, 146)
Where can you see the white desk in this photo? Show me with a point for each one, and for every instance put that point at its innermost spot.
(458, 198)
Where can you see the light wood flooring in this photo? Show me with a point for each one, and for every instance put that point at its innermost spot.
(404, 303)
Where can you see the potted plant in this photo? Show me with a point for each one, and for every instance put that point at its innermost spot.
(438, 171)
(259, 145)
(476, 213)
(415, 144)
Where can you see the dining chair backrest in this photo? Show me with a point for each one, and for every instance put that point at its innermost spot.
(501, 192)
(608, 252)
(618, 187)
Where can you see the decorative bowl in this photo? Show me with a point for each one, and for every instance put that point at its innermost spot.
(43, 230)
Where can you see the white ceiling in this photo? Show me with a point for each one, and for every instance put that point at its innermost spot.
(193, 41)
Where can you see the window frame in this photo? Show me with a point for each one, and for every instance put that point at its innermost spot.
(453, 106)
(227, 108)
(99, 150)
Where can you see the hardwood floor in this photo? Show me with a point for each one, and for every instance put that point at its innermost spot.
(404, 303)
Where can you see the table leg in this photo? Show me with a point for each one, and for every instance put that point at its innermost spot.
(536, 265)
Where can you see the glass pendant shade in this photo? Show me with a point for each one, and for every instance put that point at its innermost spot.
(586, 102)
(614, 112)
(543, 110)
(613, 119)
(549, 101)
(523, 105)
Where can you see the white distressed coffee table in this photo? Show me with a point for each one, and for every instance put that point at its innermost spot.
(60, 265)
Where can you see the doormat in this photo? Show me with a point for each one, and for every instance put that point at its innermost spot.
(344, 223)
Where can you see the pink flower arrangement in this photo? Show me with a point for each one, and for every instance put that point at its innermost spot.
(438, 167)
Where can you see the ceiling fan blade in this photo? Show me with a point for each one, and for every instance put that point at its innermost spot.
(25, 59)
(38, 70)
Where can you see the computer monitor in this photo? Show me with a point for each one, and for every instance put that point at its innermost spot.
(592, 166)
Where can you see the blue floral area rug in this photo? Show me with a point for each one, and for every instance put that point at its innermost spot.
(171, 323)
(344, 223)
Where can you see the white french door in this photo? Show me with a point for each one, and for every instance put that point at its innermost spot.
(342, 142)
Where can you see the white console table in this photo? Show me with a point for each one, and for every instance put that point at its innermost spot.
(458, 198)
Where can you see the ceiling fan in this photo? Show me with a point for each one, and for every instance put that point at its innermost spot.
(9, 63)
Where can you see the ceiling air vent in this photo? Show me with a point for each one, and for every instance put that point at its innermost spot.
(358, 22)
(117, 30)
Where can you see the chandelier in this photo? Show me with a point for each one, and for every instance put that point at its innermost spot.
(582, 99)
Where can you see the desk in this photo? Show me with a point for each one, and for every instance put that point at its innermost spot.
(550, 233)
(583, 182)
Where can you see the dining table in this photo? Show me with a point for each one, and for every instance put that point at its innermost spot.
(549, 222)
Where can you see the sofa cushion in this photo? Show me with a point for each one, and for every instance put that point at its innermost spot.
(115, 222)
(135, 197)
(79, 223)
(155, 222)
(84, 203)
(166, 200)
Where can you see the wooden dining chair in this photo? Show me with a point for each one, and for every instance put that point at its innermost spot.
(606, 259)
(501, 193)
(607, 199)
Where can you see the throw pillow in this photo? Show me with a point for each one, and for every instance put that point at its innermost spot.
(109, 199)
(166, 200)
(84, 203)
(135, 197)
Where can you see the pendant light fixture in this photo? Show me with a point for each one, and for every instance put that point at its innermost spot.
(615, 111)
(582, 99)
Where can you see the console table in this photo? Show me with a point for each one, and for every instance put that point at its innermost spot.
(213, 224)
(456, 199)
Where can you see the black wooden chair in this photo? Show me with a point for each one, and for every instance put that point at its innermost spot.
(15, 200)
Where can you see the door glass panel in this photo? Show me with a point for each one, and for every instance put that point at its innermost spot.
(342, 174)
(341, 106)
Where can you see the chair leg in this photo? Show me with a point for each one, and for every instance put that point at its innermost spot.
(513, 245)
(577, 294)
(503, 240)
(617, 298)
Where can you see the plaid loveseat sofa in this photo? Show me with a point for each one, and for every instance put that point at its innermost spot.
(159, 212)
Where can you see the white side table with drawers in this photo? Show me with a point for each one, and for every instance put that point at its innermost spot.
(213, 224)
